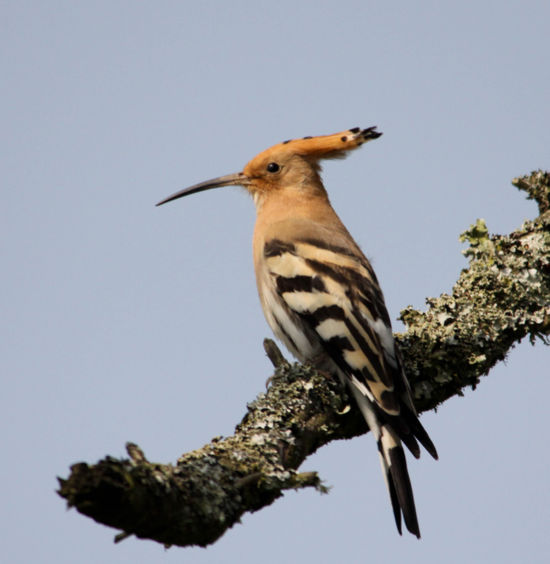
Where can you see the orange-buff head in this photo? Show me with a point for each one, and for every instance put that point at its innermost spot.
(293, 163)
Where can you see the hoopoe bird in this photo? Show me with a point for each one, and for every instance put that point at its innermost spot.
(321, 297)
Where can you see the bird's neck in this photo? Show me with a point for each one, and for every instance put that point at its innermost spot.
(305, 204)
(288, 216)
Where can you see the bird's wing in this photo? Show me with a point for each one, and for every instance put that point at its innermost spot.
(333, 291)
(335, 294)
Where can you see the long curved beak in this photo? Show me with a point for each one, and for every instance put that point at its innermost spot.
(237, 179)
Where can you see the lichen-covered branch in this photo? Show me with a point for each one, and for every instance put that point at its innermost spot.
(502, 297)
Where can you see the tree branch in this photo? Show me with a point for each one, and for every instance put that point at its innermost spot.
(500, 298)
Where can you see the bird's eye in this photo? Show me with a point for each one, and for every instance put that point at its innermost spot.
(273, 167)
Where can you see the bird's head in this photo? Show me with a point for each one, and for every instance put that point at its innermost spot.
(290, 165)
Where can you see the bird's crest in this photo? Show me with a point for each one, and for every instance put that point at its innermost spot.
(333, 146)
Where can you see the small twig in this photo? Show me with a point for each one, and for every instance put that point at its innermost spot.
(135, 453)
(121, 536)
(274, 353)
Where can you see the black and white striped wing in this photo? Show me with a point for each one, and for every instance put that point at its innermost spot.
(334, 296)
(328, 300)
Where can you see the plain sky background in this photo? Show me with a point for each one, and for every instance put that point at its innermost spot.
(121, 321)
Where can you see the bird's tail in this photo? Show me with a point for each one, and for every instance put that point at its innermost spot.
(394, 466)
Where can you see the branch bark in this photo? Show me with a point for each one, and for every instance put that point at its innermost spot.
(503, 296)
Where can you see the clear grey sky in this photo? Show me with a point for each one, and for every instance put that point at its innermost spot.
(121, 321)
